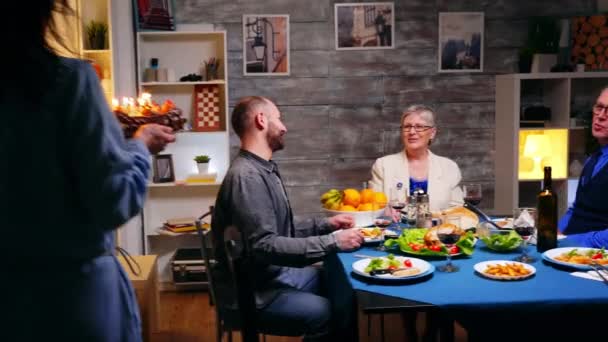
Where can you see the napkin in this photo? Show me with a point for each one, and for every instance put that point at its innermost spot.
(590, 275)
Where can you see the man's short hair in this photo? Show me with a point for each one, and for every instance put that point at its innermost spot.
(241, 111)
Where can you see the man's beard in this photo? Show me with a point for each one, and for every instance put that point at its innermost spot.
(275, 141)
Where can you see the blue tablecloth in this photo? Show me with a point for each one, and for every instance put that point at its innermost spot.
(465, 289)
(485, 306)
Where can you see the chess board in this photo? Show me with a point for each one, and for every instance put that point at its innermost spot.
(207, 108)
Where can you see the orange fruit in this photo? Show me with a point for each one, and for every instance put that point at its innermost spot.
(351, 197)
(365, 207)
(345, 207)
(380, 199)
(367, 196)
(377, 206)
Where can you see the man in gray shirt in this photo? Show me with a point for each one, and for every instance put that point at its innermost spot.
(253, 199)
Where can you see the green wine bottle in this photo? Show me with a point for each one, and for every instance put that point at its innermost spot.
(547, 215)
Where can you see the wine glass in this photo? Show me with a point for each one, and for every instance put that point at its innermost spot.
(398, 200)
(449, 236)
(524, 223)
(472, 193)
(383, 222)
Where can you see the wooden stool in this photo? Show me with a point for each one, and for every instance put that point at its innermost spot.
(146, 290)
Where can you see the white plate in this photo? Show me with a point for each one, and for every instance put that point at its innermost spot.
(379, 238)
(552, 253)
(372, 239)
(424, 267)
(482, 266)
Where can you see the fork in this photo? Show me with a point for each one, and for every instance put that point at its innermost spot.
(598, 269)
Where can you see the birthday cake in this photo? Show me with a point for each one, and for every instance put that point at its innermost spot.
(133, 114)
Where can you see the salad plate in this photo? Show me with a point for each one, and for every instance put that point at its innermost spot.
(576, 257)
(412, 268)
(415, 242)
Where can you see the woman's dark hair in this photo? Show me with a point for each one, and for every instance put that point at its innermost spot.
(29, 60)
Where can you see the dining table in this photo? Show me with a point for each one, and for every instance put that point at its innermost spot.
(550, 303)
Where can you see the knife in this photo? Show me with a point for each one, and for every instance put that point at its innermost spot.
(386, 271)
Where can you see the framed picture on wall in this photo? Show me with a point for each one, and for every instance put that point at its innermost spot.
(163, 169)
(266, 44)
(461, 41)
(154, 14)
(364, 25)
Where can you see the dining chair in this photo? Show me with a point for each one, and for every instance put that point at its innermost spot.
(226, 312)
(232, 296)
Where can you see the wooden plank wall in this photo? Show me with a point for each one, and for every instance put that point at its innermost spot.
(342, 108)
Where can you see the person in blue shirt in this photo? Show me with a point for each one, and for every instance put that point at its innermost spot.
(586, 222)
(68, 180)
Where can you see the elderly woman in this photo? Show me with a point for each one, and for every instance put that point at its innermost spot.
(416, 166)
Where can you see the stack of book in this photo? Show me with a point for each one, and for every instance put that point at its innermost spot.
(180, 225)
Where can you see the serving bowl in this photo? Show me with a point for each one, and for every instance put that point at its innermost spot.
(362, 218)
(503, 240)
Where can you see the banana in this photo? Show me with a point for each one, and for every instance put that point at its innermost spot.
(329, 194)
(326, 196)
(331, 199)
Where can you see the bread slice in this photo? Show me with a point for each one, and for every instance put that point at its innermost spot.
(468, 218)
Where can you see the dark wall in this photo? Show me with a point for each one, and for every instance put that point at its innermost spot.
(342, 108)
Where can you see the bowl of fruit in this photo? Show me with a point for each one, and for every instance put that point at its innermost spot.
(366, 206)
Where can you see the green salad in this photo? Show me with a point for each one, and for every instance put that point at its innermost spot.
(412, 241)
(382, 263)
(503, 242)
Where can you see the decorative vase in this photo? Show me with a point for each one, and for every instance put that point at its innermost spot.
(203, 168)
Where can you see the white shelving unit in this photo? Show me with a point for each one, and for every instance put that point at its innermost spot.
(99, 11)
(560, 92)
(183, 52)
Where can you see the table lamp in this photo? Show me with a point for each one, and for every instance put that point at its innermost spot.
(537, 147)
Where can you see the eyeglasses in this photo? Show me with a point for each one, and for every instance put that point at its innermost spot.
(417, 128)
(598, 109)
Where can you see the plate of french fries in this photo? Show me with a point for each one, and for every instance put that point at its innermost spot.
(504, 269)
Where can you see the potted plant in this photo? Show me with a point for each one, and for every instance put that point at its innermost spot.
(97, 35)
(202, 162)
(542, 43)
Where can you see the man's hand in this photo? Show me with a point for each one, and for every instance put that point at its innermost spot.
(349, 239)
(341, 221)
(155, 136)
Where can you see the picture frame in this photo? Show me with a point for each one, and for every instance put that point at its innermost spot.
(364, 25)
(266, 45)
(154, 15)
(163, 169)
(461, 36)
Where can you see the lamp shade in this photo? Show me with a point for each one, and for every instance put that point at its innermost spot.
(537, 146)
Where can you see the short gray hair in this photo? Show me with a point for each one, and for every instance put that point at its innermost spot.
(426, 113)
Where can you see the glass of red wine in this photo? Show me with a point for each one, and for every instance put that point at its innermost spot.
(524, 223)
(383, 222)
(472, 194)
(449, 236)
(398, 200)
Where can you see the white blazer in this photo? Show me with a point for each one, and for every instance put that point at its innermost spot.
(443, 182)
